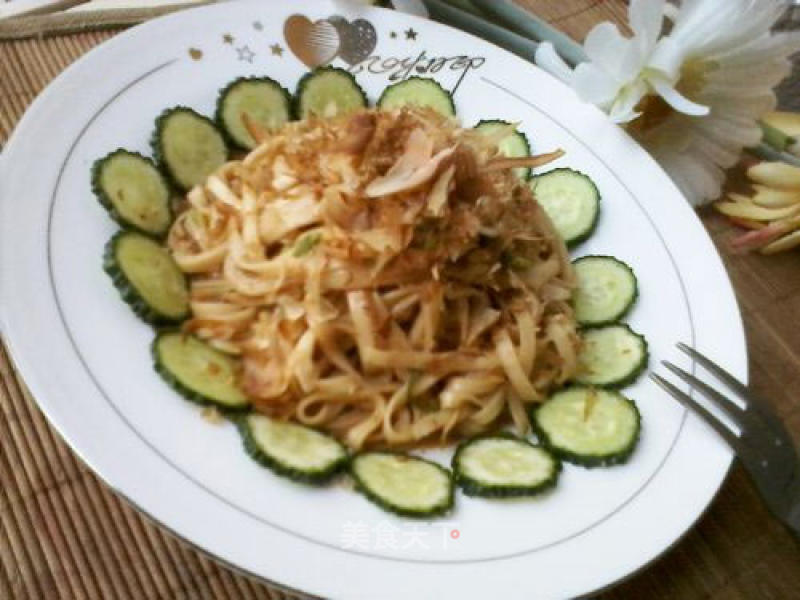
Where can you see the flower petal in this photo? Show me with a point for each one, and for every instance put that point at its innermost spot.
(605, 46)
(622, 110)
(763, 49)
(646, 17)
(594, 85)
(667, 57)
(548, 59)
(708, 27)
(671, 11)
(722, 155)
(676, 100)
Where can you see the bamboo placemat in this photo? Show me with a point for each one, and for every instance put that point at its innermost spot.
(64, 535)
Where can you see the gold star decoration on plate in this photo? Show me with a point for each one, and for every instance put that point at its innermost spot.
(276, 49)
(227, 38)
(411, 34)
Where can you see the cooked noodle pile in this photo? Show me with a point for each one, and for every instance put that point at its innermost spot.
(383, 276)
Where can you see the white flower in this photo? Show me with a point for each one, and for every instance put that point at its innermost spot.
(693, 96)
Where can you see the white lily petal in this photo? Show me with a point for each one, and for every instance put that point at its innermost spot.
(717, 153)
(594, 85)
(751, 22)
(623, 108)
(739, 89)
(676, 100)
(700, 22)
(548, 59)
(764, 49)
(633, 60)
(765, 75)
(605, 47)
(671, 11)
(750, 107)
(714, 26)
(728, 134)
(704, 177)
(667, 57)
(646, 17)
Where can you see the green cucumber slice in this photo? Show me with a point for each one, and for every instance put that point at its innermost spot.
(403, 484)
(571, 200)
(514, 145)
(328, 92)
(588, 426)
(198, 372)
(291, 450)
(262, 99)
(611, 356)
(188, 146)
(133, 191)
(419, 91)
(147, 277)
(504, 466)
(606, 290)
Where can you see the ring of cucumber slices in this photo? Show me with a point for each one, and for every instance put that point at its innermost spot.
(133, 191)
(197, 371)
(405, 485)
(147, 278)
(586, 423)
(188, 146)
(571, 200)
(504, 466)
(291, 450)
(611, 356)
(328, 92)
(607, 289)
(588, 426)
(265, 102)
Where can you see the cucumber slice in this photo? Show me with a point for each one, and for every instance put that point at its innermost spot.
(197, 371)
(611, 356)
(571, 200)
(262, 99)
(328, 92)
(588, 426)
(133, 191)
(147, 277)
(188, 146)
(403, 484)
(292, 450)
(606, 290)
(514, 145)
(420, 91)
(504, 466)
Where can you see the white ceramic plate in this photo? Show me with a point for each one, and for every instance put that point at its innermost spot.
(85, 355)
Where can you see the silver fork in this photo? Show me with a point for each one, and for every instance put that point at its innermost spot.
(764, 446)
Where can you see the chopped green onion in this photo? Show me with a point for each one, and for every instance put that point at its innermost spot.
(306, 244)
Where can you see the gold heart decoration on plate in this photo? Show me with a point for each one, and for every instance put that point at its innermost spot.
(314, 43)
(356, 40)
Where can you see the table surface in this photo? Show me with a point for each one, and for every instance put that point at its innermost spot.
(63, 534)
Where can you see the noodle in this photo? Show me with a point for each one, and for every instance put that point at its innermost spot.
(383, 276)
